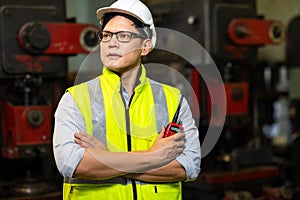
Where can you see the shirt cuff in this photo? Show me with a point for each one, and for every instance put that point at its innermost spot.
(192, 167)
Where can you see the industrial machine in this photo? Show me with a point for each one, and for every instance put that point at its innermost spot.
(293, 63)
(35, 41)
(241, 164)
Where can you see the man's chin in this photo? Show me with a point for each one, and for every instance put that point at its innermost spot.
(112, 67)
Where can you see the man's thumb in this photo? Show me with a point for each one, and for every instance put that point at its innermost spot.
(162, 132)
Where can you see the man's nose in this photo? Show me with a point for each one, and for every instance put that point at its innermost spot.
(114, 41)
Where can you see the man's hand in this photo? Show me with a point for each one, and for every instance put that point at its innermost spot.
(168, 149)
(88, 142)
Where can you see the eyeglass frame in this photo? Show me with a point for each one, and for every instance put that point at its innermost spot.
(132, 35)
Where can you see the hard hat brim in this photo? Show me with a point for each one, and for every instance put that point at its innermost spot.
(102, 11)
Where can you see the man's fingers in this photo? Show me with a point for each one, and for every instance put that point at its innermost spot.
(87, 141)
(162, 132)
(82, 139)
(79, 142)
(83, 136)
(178, 136)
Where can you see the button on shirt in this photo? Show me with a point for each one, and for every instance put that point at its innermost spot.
(68, 120)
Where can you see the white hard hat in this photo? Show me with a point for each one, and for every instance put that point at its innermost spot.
(134, 8)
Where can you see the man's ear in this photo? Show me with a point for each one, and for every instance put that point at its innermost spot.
(147, 47)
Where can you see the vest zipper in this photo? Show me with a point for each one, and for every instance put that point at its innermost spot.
(127, 118)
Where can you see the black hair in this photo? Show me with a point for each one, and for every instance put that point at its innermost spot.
(142, 28)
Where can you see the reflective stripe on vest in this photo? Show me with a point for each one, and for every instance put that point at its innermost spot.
(95, 110)
(102, 107)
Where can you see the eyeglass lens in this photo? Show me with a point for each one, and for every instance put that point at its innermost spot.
(122, 36)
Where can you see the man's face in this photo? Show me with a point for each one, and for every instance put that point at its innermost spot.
(119, 56)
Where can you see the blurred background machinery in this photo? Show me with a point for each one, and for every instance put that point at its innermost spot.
(35, 41)
(251, 159)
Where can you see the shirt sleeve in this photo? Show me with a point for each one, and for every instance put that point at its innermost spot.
(190, 158)
(68, 120)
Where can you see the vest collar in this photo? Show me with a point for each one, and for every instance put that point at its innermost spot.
(114, 78)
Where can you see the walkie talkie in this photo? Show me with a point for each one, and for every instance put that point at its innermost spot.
(174, 126)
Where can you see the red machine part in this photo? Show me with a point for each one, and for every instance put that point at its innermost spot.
(243, 175)
(277, 193)
(195, 82)
(57, 38)
(245, 195)
(244, 31)
(24, 127)
(236, 98)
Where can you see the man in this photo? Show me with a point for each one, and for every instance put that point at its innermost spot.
(109, 132)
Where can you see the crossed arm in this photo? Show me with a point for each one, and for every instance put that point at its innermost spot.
(158, 164)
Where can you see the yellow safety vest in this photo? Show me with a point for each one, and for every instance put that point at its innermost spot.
(123, 128)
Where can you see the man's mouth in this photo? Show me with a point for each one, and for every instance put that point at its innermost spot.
(114, 55)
